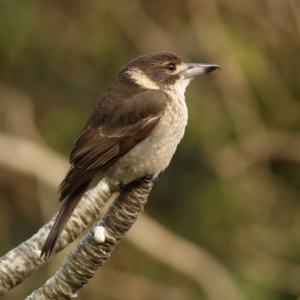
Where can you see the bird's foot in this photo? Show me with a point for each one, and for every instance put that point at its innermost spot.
(121, 186)
(146, 179)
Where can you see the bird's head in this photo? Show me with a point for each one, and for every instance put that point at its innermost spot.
(163, 70)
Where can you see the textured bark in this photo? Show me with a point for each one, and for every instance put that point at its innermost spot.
(83, 262)
(24, 260)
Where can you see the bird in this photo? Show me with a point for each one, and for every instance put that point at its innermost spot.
(132, 131)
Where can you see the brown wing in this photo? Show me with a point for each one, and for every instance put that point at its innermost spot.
(114, 127)
(107, 137)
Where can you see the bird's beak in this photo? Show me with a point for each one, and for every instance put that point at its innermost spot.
(198, 69)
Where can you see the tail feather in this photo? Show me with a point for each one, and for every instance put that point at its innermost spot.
(62, 219)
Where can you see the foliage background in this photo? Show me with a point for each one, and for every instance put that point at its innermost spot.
(233, 186)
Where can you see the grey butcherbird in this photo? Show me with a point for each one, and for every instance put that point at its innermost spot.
(133, 130)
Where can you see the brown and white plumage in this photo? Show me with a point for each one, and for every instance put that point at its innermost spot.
(133, 131)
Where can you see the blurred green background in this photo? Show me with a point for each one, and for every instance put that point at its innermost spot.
(233, 187)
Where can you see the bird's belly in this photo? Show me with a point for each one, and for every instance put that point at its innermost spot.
(153, 154)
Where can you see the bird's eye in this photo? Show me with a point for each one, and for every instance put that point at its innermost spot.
(171, 67)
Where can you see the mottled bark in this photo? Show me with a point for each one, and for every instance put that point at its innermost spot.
(83, 262)
(24, 260)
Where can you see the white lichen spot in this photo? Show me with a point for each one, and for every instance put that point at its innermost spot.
(99, 235)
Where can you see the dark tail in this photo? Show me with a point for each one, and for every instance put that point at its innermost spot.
(62, 219)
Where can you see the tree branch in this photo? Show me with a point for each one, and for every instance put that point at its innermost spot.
(83, 262)
(24, 260)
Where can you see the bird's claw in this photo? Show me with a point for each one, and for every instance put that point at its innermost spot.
(121, 186)
(146, 179)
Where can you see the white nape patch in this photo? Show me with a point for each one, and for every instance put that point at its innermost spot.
(139, 77)
(99, 235)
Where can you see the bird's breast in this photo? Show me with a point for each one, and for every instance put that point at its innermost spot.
(171, 128)
(153, 154)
